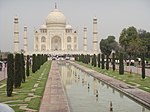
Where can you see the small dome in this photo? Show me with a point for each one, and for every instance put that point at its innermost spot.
(43, 26)
(68, 26)
(56, 18)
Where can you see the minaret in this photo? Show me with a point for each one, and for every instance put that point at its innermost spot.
(95, 50)
(25, 40)
(85, 39)
(16, 35)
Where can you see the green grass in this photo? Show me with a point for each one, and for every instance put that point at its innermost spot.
(34, 103)
(22, 92)
(16, 108)
(132, 79)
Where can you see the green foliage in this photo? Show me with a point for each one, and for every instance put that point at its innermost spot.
(76, 57)
(145, 38)
(109, 44)
(107, 62)
(121, 65)
(33, 63)
(10, 74)
(18, 74)
(98, 59)
(23, 68)
(103, 62)
(131, 43)
(113, 61)
(94, 61)
(143, 66)
(27, 66)
(37, 61)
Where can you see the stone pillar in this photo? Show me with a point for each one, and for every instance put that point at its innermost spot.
(25, 40)
(95, 42)
(16, 35)
(85, 39)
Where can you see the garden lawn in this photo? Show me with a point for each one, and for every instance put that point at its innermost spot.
(19, 95)
(132, 79)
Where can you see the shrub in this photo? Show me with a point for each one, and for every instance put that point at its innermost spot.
(103, 63)
(113, 61)
(107, 62)
(143, 66)
(10, 74)
(18, 75)
(121, 65)
(98, 59)
(27, 66)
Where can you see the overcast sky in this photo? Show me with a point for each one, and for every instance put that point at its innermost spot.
(112, 15)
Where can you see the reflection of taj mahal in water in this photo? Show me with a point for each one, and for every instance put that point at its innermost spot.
(56, 37)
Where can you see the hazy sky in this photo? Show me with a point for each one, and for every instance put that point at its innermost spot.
(112, 15)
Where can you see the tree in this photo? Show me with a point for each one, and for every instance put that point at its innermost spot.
(27, 66)
(145, 38)
(129, 39)
(33, 63)
(109, 44)
(103, 62)
(121, 65)
(136, 47)
(92, 63)
(98, 59)
(107, 62)
(23, 68)
(143, 66)
(123, 39)
(18, 75)
(10, 74)
(113, 61)
(94, 60)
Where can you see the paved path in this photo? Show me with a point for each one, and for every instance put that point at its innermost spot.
(135, 93)
(54, 98)
(135, 70)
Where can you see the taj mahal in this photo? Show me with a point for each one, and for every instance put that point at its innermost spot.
(56, 37)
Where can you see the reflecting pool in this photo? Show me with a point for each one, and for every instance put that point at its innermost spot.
(88, 94)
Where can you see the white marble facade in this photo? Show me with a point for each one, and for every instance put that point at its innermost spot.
(55, 35)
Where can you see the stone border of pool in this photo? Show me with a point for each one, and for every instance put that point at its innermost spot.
(54, 97)
(136, 94)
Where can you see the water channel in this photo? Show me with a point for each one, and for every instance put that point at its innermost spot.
(88, 94)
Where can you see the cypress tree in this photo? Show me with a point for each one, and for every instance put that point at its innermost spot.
(10, 74)
(92, 63)
(113, 61)
(107, 62)
(89, 58)
(143, 66)
(98, 60)
(33, 63)
(27, 66)
(38, 61)
(103, 63)
(121, 65)
(23, 68)
(76, 57)
(94, 60)
(82, 58)
(18, 77)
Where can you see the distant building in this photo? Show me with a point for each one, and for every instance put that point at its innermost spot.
(56, 37)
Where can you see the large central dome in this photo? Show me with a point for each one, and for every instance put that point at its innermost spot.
(56, 19)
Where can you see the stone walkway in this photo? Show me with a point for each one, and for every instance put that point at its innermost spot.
(131, 91)
(134, 69)
(54, 98)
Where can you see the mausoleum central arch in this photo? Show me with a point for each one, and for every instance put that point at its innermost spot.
(56, 43)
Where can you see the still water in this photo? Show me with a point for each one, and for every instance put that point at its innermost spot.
(88, 94)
